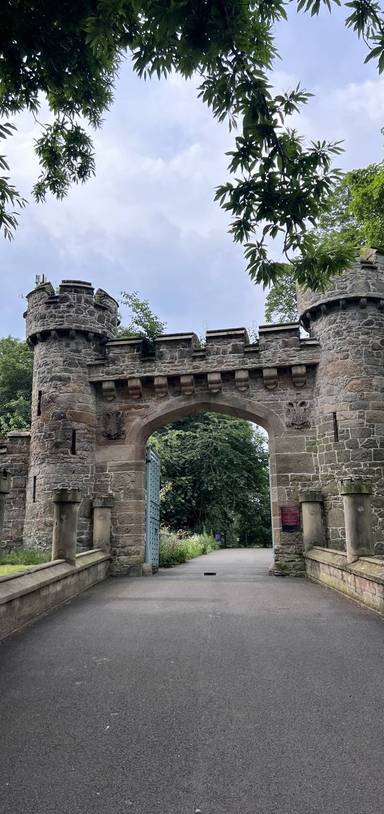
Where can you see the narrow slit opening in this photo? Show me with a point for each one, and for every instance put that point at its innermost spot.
(34, 489)
(39, 402)
(335, 427)
(73, 442)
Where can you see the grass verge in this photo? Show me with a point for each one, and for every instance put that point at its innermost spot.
(177, 547)
(20, 559)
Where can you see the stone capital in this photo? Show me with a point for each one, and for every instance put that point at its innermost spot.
(355, 486)
(311, 496)
(67, 496)
(105, 502)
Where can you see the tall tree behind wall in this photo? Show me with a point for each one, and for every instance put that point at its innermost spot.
(215, 478)
(15, 385)
(354, 217)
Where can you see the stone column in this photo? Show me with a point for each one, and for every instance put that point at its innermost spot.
(5, 488)
(312, 519)
(66, 511)
(102, 507)
(356, 494)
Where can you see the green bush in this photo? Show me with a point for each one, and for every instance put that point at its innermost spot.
(178, 547)
(24, 556)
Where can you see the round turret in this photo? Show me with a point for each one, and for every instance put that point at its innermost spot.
(75, 307)
(348, 321)
(67, 331)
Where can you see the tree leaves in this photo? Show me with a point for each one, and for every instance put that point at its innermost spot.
(214, 476)
(70, 53)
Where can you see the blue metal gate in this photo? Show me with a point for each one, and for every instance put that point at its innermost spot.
(152, 507)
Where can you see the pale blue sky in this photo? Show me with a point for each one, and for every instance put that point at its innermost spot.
(148, 221)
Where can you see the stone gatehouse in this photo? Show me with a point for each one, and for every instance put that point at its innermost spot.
(96, 400)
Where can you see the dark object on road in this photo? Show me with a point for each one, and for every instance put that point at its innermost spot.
(209, 573)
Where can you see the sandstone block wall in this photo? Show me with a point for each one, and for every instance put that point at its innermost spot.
(97, 399)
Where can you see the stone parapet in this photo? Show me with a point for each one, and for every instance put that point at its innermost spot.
(75, 307)
(358, 285)
(362, 580)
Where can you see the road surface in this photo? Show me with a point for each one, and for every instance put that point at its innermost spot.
(238, 693)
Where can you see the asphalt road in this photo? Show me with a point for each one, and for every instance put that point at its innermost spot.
(238, 693)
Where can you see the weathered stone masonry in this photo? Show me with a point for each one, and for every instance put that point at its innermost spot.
(96, 400)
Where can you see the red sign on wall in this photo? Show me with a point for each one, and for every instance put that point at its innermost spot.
(290, 518)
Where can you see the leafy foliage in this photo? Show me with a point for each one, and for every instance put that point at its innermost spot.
(176, 548)
(15, 385)
(280, 303)
(215, 478)
(143, 321)
(70, 53)
(352, 221)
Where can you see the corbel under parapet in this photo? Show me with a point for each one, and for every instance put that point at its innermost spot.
(299, 375)
(161, 386)
(215, 383)
(108, 390)
(135, 388)
(270, 377)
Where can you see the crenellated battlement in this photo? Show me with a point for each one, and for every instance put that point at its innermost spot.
(359, 285)
(76, 307)
(97, 398)
(178, 362)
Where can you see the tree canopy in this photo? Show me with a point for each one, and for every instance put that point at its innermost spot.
(143, 321)
(354, 218)
(214, 477)
(15, 385)
(69, 53)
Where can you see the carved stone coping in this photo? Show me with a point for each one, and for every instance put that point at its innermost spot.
(73, 285)
(227, 333)
(125, 342)
(284, 327)
(180, 337)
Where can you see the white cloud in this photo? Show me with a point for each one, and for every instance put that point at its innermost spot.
(148, 220)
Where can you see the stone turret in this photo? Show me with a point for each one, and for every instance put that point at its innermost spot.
(348, 321)
(67, 330)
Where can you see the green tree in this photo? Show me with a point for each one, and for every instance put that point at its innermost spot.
(69, 53)
(215, 478)
(143, 322)
(15, 385)
(280, 303)
(354, 217)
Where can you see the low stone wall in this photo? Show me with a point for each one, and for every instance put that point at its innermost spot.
(25, 596)
(362, 580)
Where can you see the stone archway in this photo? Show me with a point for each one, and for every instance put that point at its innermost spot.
(125, 464)
(96, 399)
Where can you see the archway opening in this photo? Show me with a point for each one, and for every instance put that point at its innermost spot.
(214, 490)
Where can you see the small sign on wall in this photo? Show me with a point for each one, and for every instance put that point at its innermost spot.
(290, 518)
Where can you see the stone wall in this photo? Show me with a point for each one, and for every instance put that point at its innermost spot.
(362, 580)
(349, 392)
(24, 597)
(67, 330)
(269, 382)
(14, 456)
(97, 399)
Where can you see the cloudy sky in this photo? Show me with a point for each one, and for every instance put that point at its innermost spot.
(148, 221)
